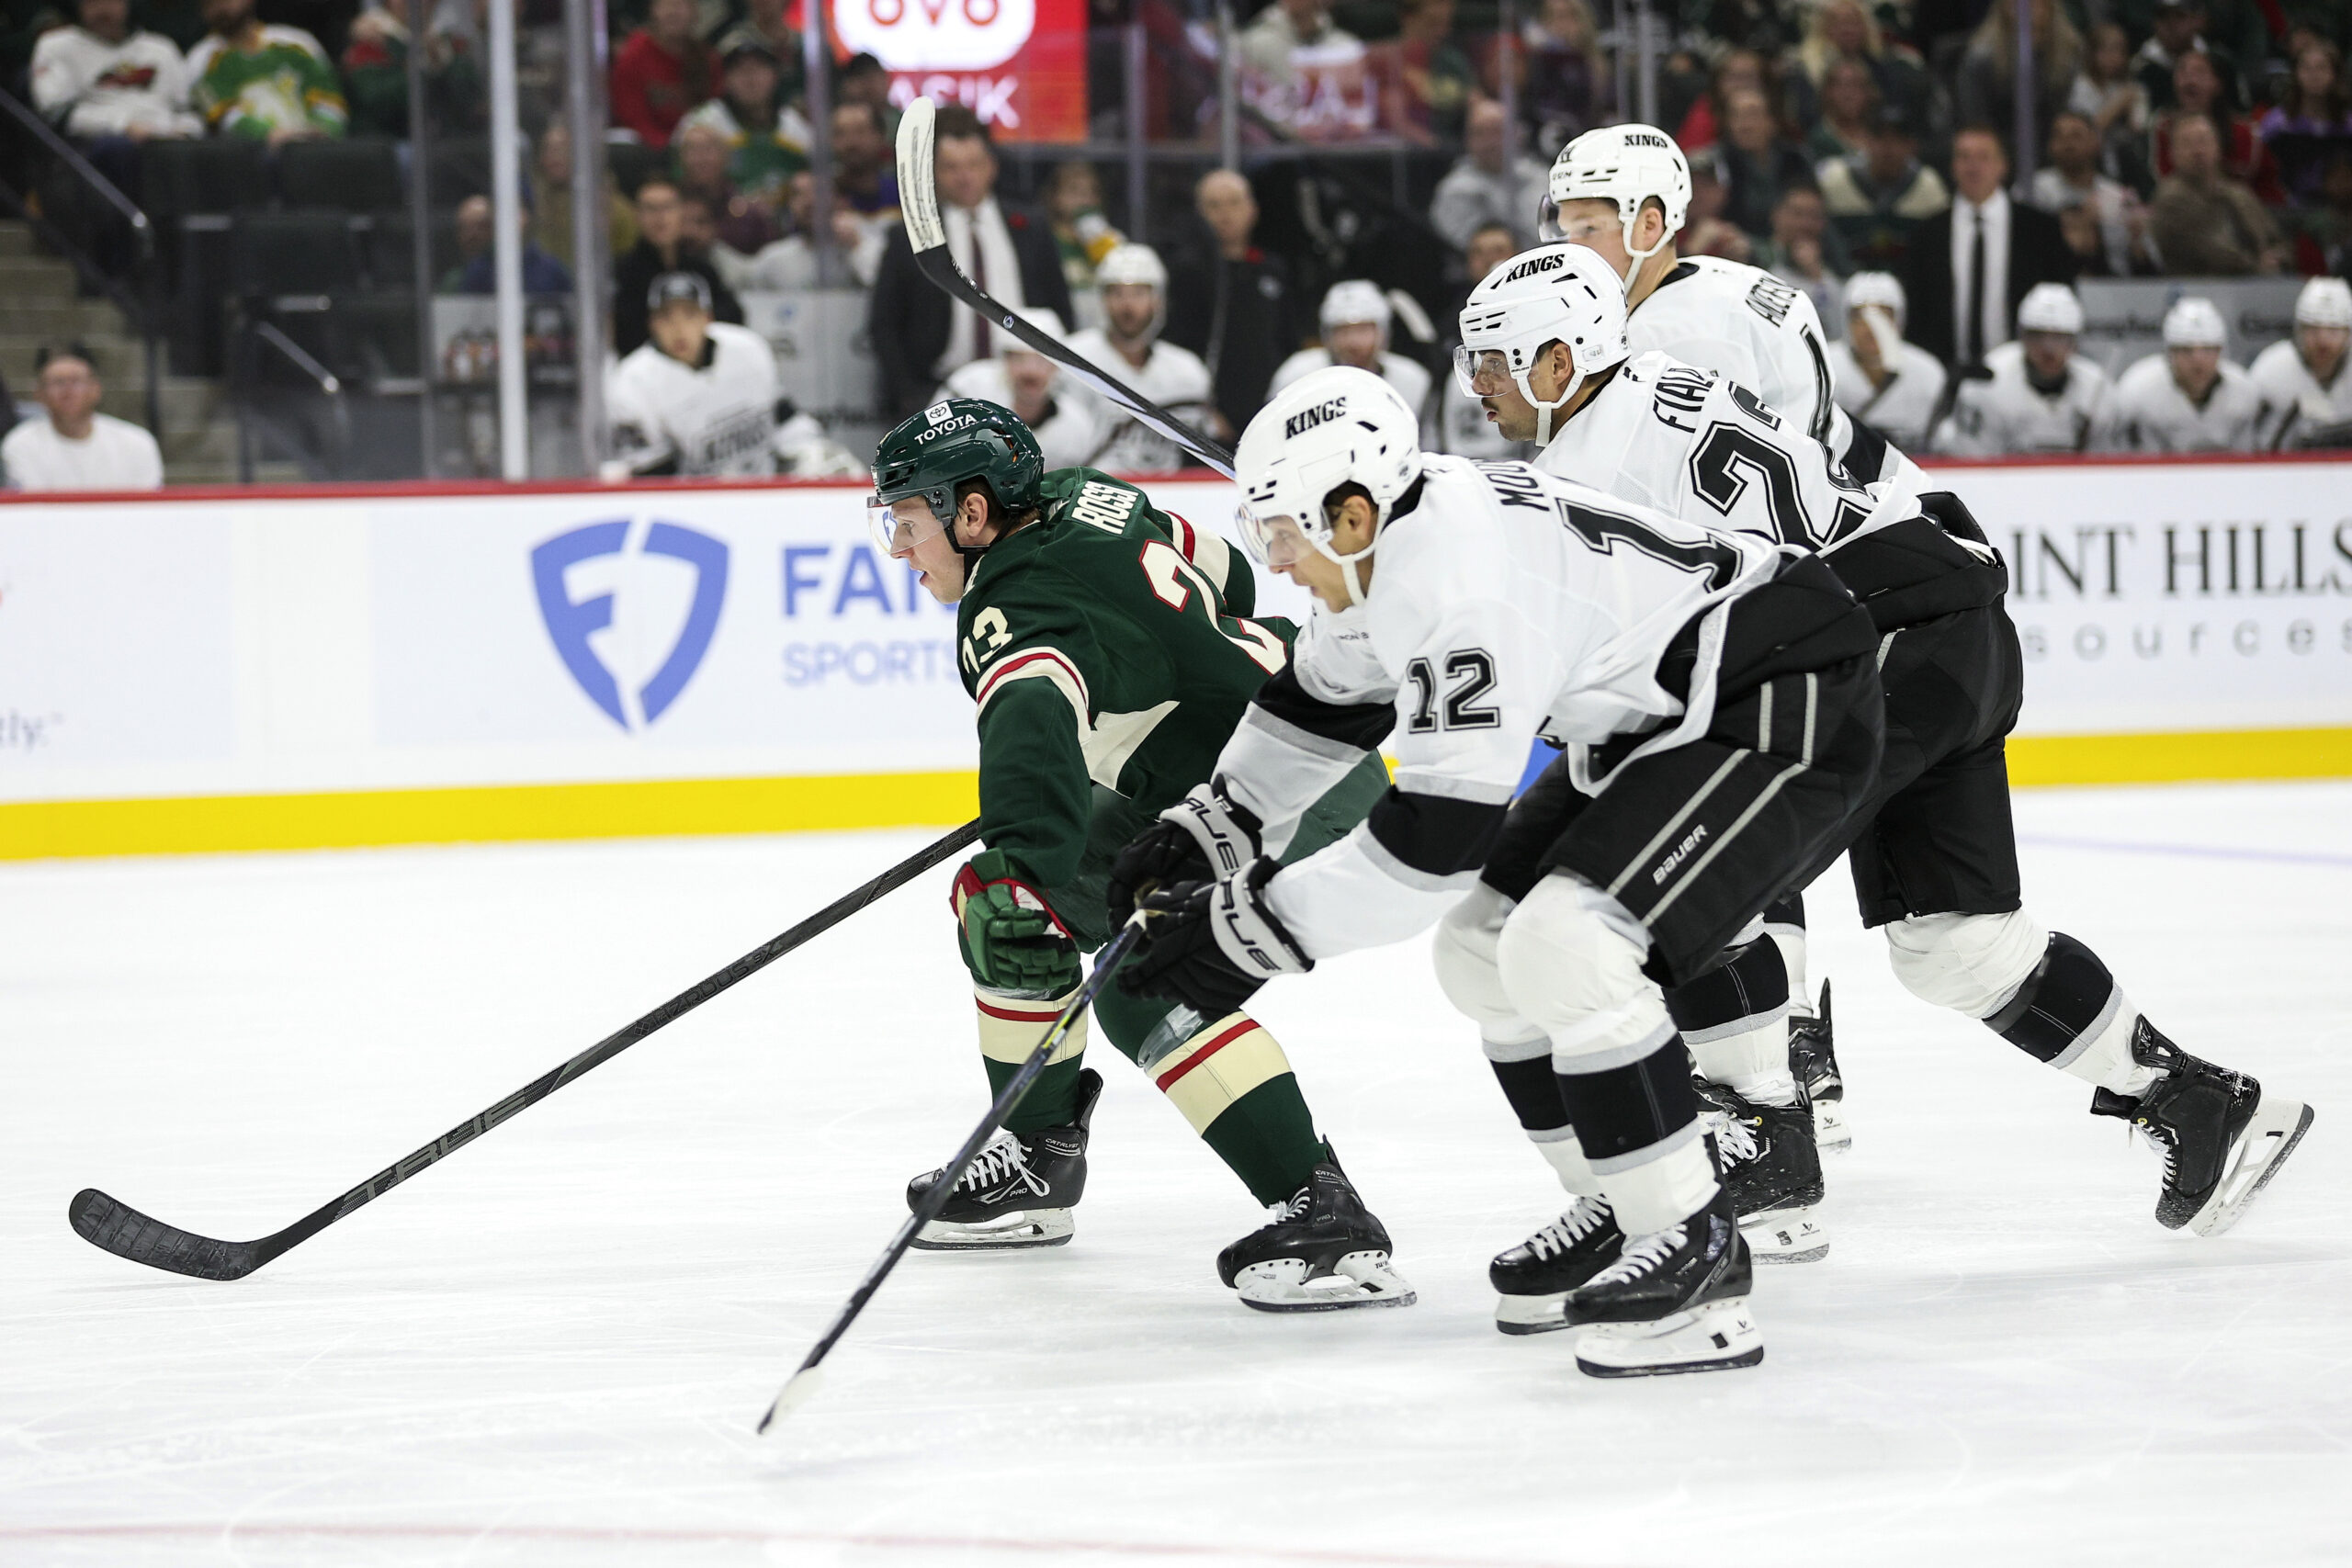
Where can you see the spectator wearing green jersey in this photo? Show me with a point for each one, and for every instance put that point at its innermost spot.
(264, 82)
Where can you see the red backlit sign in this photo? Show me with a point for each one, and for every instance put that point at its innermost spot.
(1019, 65)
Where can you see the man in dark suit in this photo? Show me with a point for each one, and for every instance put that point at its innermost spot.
(1966, 269)
(919, 333)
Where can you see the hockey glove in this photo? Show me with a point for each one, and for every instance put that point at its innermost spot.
(1013, 940)
(1205, 836)
(1212, 944)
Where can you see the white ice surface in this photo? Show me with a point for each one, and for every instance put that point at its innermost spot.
(550, 1349)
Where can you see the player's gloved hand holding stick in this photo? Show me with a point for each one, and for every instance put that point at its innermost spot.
(803, 1383)
(1206, 835)
(103, 1221)
(1015, 942)
(1212, 944)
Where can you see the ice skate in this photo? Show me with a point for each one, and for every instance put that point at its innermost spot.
(2221, 1137)
(1534, 1278)
(1323, 1251)
(1813, 1061)
(1771, 1170)
(1019, 1191)
(1675, 1301)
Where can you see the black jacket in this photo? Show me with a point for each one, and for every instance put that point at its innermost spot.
(1261, 328)
(2038, 253)
(908, 319)
(634, 272)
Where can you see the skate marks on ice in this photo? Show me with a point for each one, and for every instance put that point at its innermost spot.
(2002, 1355)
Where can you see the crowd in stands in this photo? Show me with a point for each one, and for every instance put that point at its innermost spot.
(1860, 152)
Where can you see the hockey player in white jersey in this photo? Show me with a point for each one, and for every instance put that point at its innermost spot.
(1624, 190)
(2036, 394)
(1134, 282)
(1895, 386)
(700, 398)
(1355, 318)
(2187, 397)
(1068, 420)
(1718, 706)
(2303, 378)
(1933, 856)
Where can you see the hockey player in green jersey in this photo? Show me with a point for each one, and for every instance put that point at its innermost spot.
(1106, 645)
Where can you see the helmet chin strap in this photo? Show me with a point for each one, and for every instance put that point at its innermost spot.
(1633, 258)
(1544, 411)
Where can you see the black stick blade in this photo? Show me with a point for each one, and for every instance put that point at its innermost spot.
(122, 1230)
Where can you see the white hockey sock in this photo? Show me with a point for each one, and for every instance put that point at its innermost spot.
(2105, 1059)
(1559, 1147)
(1753, 1063)
(1790, 940)
(1666, 1188)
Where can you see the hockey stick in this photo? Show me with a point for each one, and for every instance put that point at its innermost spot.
(803, 1383)
(103, 1221)
(927, 232)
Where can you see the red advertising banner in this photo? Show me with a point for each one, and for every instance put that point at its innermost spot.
(1019, 65)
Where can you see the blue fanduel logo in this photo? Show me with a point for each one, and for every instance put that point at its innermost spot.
(570, 624)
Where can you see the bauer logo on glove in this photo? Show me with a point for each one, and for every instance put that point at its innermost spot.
(1212, 944)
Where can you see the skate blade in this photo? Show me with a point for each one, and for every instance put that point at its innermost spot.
(1830, 1132)
(1531, 1315)
(1007, 1233)
(1785, 1235)
(2269, 1138)
(1359, 1280)
(1716, 1337)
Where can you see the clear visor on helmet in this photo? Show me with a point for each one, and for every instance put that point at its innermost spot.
(901, 524)
(1482, 372)
(1274, 541)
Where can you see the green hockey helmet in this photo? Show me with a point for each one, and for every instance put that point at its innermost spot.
(929, 452)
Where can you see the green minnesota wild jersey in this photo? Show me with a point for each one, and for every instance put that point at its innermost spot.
(283, 83)
(1106, 645)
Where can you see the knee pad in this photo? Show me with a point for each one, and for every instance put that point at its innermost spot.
(1464, 955)
(1971, 963)
(1570, 961)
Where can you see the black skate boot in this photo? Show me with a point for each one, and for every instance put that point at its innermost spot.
(1813, 1060)
(1019, 1191)
(1772, 1172)
(1675, 1301)
(1534, 1278)
(2222, 1139)
(1323, 1251)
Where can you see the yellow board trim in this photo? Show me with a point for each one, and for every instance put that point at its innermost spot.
(205, 824)
(2180, 758)
(348, 819)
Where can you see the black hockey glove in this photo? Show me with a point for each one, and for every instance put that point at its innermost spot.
(1211, 944)
(1205, 836)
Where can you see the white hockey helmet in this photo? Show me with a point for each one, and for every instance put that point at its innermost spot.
(1557, 293)
(2325, 302)
(2195, 322)
(1354, 301)
(1329, 428)
(1131, 263)
(1628, 164)
(2049, 308)
(1877, 291)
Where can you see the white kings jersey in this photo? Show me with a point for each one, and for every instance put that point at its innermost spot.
(2152, 415)
(716, 419)
(2300, 406)
(1075, 426)
(2004, 412)
(1505, 604)
(1901, 411)
(1695, 445)
(1763, 334)
(1176, 379)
